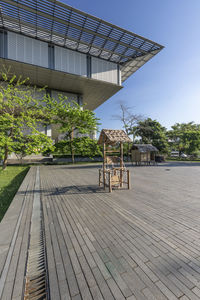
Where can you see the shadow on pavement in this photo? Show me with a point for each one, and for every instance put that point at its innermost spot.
(77, 189)
(168, 164)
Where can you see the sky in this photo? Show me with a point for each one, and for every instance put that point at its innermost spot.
(167, 88)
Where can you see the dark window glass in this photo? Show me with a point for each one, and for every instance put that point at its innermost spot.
(3, 44)
(51, 57)
(89, 67)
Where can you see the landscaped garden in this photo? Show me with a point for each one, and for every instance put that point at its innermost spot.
(10, 181)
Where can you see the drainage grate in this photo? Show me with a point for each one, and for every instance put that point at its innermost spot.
(36, 271)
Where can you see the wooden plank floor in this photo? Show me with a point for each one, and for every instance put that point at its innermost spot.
(142, 243)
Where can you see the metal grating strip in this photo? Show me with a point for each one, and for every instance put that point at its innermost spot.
(36, 278)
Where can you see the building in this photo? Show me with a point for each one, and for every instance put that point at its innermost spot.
(143, 154)
(73, 53)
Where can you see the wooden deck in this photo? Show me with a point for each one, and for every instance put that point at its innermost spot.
(142, 243)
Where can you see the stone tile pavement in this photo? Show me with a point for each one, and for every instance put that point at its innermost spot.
(142, 243)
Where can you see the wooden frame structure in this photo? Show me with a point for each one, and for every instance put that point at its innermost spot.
(143, 154)
(111, 175)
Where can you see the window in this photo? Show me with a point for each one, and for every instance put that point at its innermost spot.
(89, 69)
(3, 44)
(51, 57)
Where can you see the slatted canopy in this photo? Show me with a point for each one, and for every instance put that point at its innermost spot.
(113, 136)
(62, 25)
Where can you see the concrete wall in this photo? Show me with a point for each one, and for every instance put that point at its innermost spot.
(70, 96)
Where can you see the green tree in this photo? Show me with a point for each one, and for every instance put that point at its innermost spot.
(73, 118)
(84, 146)
(20, 116)
(33, 143)
(152, 132)
(128, 119)
(185, 137)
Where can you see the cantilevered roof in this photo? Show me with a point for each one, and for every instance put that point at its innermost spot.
(62, 25)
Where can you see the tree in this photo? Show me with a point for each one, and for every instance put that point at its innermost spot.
(185, 137)
(20, 116)
(84, 146)
(152, 132)
(128, 119)
(33, 143)
(73, 118)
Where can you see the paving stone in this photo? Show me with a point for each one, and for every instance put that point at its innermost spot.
(138, 244)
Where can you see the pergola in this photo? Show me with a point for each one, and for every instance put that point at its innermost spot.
(113, 173)
(59, 24)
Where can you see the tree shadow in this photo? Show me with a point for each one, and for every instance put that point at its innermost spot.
(77, 189)
(167, 164)
(94, 166)
(179, 164)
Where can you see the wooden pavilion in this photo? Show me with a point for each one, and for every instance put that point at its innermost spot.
(113, 173)
(143, 154)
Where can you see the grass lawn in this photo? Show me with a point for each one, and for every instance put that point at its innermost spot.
(10, 180)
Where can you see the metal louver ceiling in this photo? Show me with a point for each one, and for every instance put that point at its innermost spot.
(60, 24)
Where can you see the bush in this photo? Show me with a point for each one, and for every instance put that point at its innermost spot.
(83, 146)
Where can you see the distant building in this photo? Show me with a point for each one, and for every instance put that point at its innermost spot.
(73, 53)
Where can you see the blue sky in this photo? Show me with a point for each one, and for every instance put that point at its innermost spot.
(167, 88)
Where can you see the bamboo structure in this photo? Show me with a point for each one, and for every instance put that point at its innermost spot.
(143, 154)
(113, 173)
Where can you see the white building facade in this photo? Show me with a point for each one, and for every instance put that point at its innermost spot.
(73, 53)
